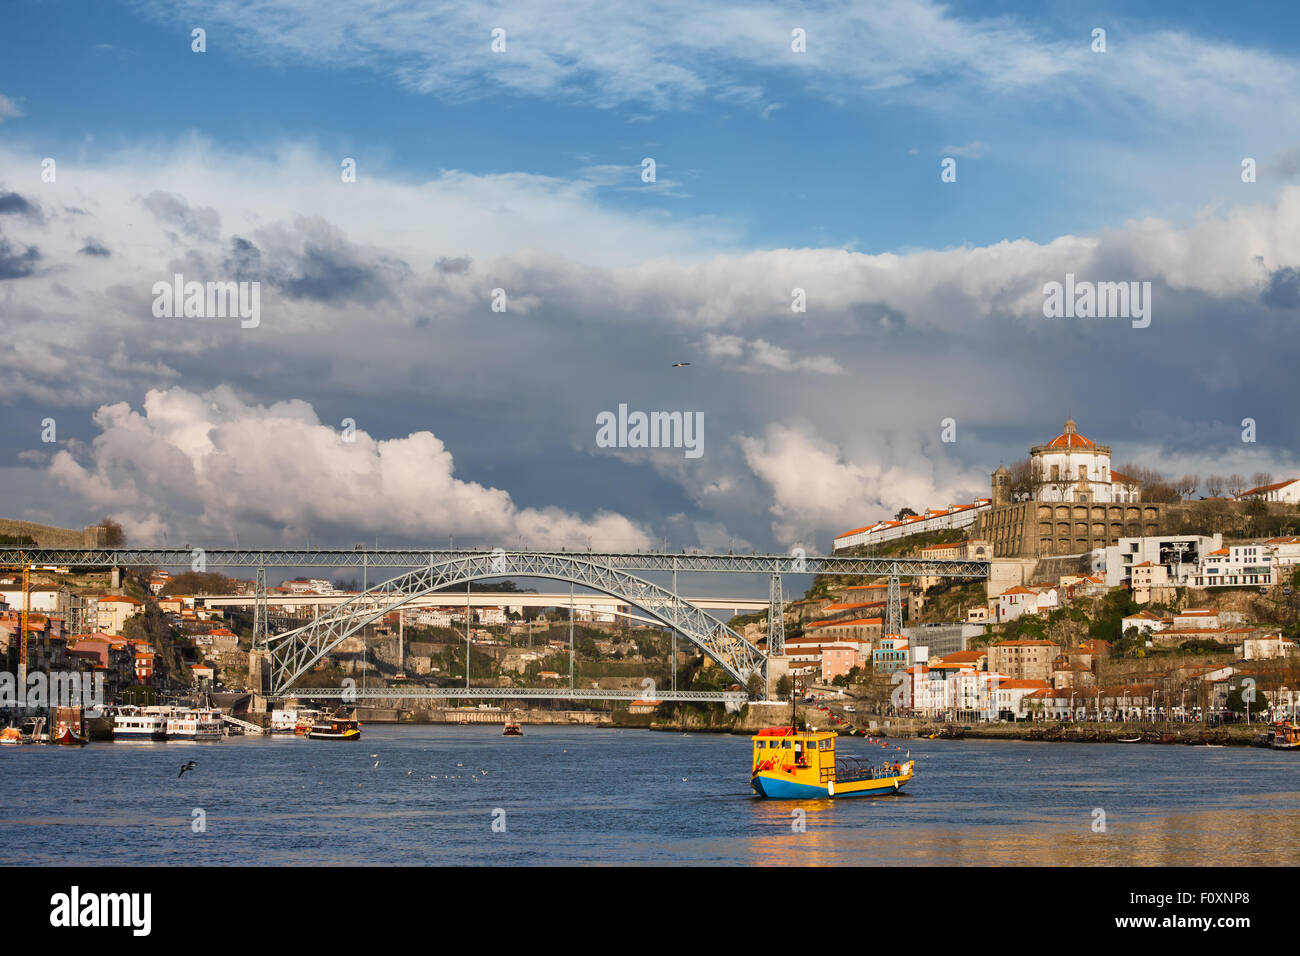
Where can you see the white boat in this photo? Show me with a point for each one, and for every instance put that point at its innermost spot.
(194, 723)
(285, 721)
(140, 723)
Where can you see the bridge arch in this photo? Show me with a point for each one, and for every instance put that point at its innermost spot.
(296, 651)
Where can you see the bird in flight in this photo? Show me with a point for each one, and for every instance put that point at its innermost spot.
(680, 364)
(186, 766)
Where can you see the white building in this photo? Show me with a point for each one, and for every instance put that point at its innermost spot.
(1019, 600)
(1071, 467)
(1239, 565)
(1285, 491)
(954, 516)
(1178, 553)
(1265, 648)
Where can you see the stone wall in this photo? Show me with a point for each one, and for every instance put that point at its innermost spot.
(48, 536)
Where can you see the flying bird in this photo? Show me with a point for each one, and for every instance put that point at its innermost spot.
(680, 364)
(186, 766)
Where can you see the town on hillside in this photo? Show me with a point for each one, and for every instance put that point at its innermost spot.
(1112, 595)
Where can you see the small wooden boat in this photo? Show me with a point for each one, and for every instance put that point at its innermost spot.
(512, 729)
(1129, 740)
(70, 739)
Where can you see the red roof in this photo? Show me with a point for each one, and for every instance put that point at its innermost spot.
(1070, 438)
(1264, 489)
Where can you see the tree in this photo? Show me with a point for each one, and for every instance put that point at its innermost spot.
(1214, 486)
(904, 513)
(1236, 484)
(783, 686)
(754, 686)
(1026, 480)
(114, 536)
(1261, 478)
(1258, 703)
(1187, 485)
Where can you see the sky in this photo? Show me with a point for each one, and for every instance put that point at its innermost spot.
(915, 173)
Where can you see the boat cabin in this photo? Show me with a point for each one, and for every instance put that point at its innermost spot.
(778, 747)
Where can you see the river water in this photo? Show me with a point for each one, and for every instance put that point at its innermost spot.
(564, 795)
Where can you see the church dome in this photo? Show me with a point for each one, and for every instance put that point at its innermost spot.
(1070, 438)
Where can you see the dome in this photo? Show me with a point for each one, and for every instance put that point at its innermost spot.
(1070, 438)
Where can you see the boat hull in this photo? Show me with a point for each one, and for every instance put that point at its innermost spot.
(778, 786)
(346, 735)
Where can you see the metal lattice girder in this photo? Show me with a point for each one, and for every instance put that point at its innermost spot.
(294, 652)
(619, 560)
(508, 693)
(895, 606)
(775, 619)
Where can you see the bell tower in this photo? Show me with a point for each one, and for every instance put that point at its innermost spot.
(1001, 487)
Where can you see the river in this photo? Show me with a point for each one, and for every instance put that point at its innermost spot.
(563, 795)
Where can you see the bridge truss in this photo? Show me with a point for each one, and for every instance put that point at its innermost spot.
(598, 570)
(294, 652)
(358, 694)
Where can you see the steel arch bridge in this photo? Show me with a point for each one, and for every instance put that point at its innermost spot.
(294, 652)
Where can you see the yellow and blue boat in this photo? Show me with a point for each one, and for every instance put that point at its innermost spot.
(794, 765)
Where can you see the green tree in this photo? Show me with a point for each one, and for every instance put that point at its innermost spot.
(783, 686)
(1247, 695)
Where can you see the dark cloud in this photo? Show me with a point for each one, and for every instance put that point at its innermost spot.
(172, 209)
(12, 204)
(94, 247)
(1283, 290)
(15, 264)
(328, 274)
(458, 266)
(244, 261)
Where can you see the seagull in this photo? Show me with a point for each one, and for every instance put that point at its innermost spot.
(187, 766)
(680, 364)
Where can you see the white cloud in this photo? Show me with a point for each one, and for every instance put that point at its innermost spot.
(8, 108)
(816, 486)
(762, 356)
(218, 464)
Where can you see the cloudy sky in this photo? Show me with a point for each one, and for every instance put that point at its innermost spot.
(126, 157)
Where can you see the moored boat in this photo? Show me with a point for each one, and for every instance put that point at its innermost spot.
(512, 729)
(1286, 736)
(11, 737)
(306, 721)
(69, 727)
(140, 723)
(789, 764)
(335, 728)
(194, 723)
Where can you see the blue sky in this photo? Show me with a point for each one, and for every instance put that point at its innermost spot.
(856, 169)
(521, 170)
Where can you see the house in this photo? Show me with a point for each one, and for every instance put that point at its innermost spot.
(1016, 601)
(1023, 660)
(1265, 648)
(202, 673)
(837, 661)
(1145, 622)
(1287, 491)
(112, 611)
